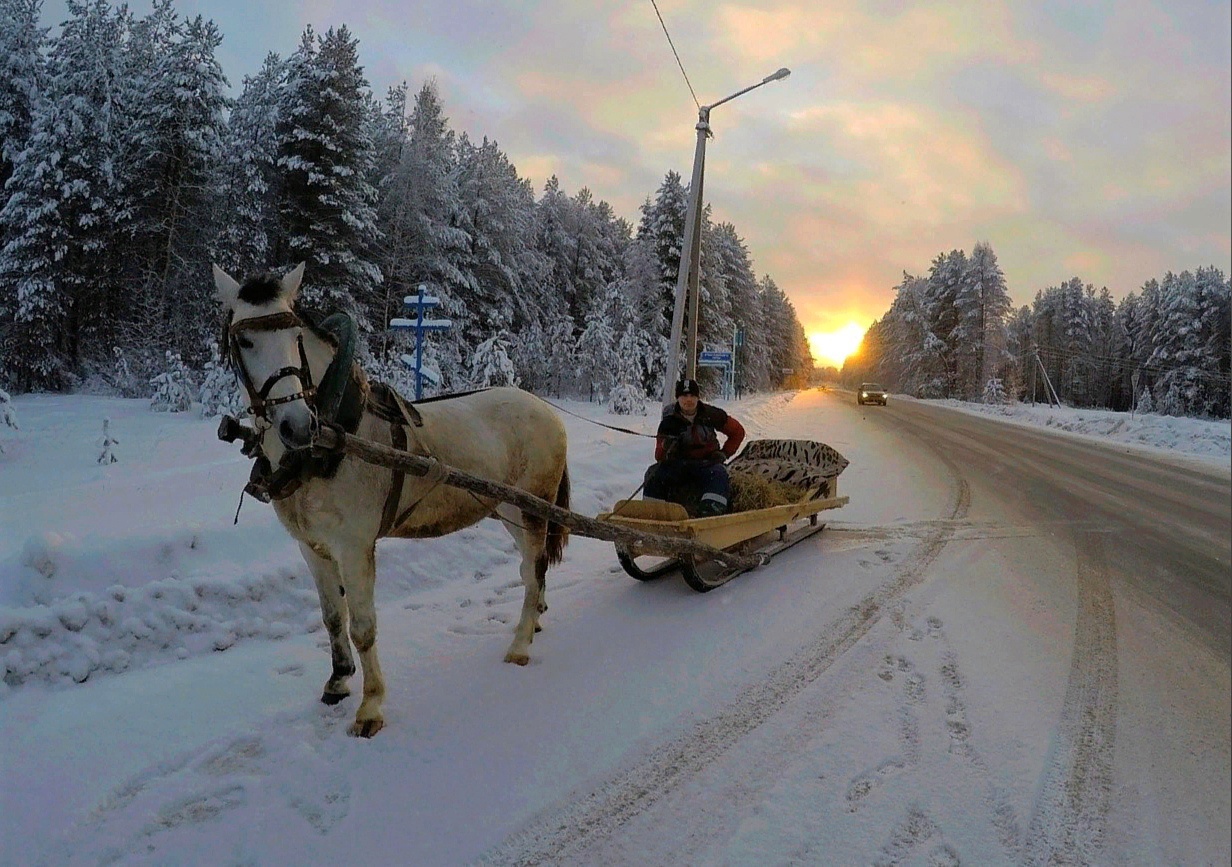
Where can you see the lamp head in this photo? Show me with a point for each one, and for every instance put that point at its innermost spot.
(782, 73)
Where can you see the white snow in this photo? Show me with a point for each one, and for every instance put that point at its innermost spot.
(162, 664)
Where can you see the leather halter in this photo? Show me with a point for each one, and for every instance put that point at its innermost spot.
(259, 400)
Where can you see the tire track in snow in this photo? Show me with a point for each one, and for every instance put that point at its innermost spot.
(1068, 823)
(573, 833)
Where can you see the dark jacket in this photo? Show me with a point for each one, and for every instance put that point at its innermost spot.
(678, 440)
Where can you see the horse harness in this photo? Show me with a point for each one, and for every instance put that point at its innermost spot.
(259, 399)
(267, 483)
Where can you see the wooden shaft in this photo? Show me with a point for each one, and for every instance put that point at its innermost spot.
(418, 465)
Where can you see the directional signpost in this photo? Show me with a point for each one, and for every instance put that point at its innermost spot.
(721, 359)
(417, 304)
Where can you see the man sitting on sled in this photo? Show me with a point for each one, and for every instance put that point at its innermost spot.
(689, 455)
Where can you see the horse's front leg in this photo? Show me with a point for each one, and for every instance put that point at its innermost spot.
(334, 616)
(530, 534)
(357, 566)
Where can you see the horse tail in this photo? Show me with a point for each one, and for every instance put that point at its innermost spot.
(558, 534)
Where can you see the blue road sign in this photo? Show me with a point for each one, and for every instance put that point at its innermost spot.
(714, 359)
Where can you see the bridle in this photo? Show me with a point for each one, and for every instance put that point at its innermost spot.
(259, 399)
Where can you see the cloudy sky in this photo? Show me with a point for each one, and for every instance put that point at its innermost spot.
(1084, 138)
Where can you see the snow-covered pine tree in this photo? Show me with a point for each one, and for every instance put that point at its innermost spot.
(994, 392)
(640, 325)
(984, 305)
(219, 393)
(628, 395)
(173, 179)
(173, 388)
(57, 223)
(327, 209)
(107, 444)
(8, 415)
(22, 74)
(496, 211)
(419, 216)
(1215, 312)
(661, 230)
(1146, 403)
(731, 288)
(490, 363)
(252, 181)
(596, 351)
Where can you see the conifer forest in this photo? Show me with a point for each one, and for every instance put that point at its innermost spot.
(130, 165)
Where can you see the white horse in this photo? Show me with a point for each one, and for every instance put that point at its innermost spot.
(337, 512)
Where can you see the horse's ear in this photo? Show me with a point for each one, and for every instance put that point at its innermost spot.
(291, 281)
(226, 290)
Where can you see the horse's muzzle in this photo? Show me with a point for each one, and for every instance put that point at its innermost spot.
(297, 430)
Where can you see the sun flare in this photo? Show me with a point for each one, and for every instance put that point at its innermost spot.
(831, 348)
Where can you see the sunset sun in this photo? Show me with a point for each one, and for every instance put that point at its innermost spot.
(831, 348)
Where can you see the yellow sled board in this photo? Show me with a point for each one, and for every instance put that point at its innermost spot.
(661, 518)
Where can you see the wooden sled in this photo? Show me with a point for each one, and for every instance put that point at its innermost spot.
(813, 467)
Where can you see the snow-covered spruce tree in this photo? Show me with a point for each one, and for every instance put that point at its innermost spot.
(8, 415)
(1193, 309)
(173, 179)
(628, 394)
(173, 388)
(639, 312)
(490, 363)
(219, 393)
(503, 272)
(107, 444)
(662, 228)
(728, 264)
(22, 78)
(1146, 403)
(994, 393)
(1215, 312)
(58, 221)
(252, 181)
(327, 213)
(596, 351)
(984, 307)
(418, 218)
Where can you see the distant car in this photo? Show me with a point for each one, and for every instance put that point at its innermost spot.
(871, 392)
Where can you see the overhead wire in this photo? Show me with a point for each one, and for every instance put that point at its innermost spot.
(675, 54)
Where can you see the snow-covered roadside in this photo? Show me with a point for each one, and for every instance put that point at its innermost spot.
(1206, 439)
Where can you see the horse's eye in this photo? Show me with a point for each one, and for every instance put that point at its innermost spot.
(245, 343)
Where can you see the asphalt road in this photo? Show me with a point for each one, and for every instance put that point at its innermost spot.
(1166, 522)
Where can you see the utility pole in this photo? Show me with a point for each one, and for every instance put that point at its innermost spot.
(1034, 358)
(687, 293)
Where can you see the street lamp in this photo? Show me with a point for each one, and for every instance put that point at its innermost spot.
(690, 253)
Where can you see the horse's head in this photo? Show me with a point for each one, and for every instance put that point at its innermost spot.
(265, 342)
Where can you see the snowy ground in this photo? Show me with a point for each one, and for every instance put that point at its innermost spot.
(162, 663)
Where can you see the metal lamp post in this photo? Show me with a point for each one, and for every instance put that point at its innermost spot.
(690, 253)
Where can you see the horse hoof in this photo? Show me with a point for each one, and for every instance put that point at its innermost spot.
(517, 658)
(365, 728)
(332, 698)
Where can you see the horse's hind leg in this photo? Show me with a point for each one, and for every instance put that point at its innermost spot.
(334, 616)
(530, 534)
(357, 566)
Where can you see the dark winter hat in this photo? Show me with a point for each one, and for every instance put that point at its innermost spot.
(688, 386)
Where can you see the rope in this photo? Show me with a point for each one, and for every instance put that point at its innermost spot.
(677, 56)
(636, 433)
(636, 490)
